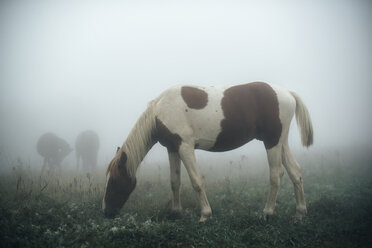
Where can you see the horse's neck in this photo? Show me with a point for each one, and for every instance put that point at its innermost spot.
(136, 151)
(139, 141)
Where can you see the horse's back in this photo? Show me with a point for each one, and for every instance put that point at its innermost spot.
(221, 118)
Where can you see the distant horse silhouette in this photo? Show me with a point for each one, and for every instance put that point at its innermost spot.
(53, 149)
(221, 118)
(86, 149)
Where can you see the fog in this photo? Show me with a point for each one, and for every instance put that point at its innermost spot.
(69, 66)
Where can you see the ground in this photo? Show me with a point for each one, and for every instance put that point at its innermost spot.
(65, 210)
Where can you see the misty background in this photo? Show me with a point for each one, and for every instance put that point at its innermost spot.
(69, 66)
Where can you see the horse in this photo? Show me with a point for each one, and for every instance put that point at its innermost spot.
(86, 149)
(54, 149)
(217, 119)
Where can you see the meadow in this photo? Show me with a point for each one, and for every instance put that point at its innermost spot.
(64, 210)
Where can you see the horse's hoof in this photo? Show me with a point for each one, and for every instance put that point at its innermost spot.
(268, 213)
(300, 213)
(205, 214)
(176, 211)
(203, 219)
(174, 215)
(298, 216)
(268, 217)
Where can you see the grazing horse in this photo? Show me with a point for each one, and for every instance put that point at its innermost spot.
(86, 149)
(53, 149)
(185, 118)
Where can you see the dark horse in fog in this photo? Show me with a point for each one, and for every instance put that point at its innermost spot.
(86, 148)
(53, 149)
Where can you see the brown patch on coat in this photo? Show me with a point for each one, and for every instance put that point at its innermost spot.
(251, 111)
(194, 98)
(166, 138)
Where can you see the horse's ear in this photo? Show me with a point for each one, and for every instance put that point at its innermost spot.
(122, 160)
(117, 149)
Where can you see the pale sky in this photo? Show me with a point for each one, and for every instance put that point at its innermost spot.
(68, 66)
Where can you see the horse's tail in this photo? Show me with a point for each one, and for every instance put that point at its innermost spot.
(303, 121)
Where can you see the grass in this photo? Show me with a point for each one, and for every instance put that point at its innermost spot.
(64, 210)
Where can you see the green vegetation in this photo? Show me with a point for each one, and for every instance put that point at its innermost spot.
(64, 211)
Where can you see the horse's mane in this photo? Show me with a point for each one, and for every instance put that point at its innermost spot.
(138, 143)
(113, 165)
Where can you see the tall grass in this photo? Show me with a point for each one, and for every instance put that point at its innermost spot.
(63, 209)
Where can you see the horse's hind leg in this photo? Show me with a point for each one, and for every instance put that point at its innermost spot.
(294, 172)
(188, 158)
(175, 175)
(274, 156)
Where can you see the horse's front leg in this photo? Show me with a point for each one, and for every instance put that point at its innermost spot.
(274, 156)
(188, 158)
(175, 176)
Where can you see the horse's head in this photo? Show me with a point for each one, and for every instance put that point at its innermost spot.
(64, 151)
(61, 153)
(119, 185)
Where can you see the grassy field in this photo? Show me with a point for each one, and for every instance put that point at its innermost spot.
(64, 210)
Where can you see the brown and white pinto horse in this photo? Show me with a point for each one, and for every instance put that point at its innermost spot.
(185, 118)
